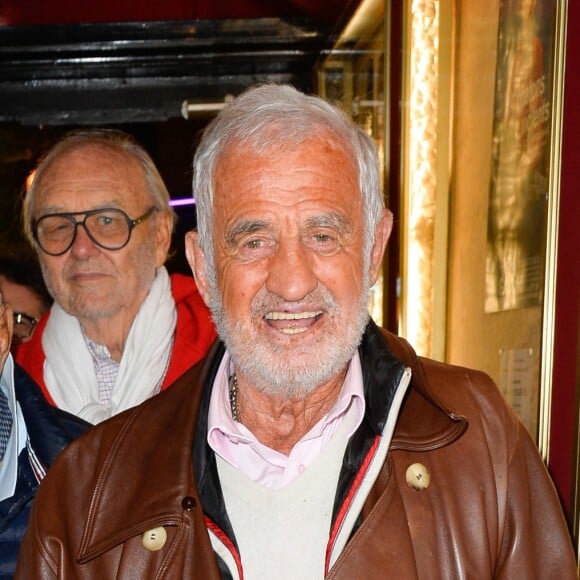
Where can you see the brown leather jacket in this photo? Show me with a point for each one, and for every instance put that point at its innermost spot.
(487, 508)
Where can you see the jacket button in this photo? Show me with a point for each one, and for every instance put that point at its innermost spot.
(154, 539)
(418, 476)
(188, 503)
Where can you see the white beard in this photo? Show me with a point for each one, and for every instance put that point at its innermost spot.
(292, 371)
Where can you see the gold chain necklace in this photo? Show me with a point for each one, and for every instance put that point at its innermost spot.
(233, 385)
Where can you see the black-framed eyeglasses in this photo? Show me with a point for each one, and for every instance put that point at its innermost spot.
(108, 228)
(23, 325)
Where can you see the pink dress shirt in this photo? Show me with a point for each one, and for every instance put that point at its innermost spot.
(236, 444)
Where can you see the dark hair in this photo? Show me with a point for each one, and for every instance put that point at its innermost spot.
(25, 271)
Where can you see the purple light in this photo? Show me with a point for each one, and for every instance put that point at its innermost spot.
(182, 201)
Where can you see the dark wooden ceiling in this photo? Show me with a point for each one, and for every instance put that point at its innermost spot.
(71, 62)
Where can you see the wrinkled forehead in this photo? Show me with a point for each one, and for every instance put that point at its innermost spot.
(315, 178)
(274, 143)
(92, 171)
(84, 160)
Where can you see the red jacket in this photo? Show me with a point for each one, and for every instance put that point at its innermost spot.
(194, 333)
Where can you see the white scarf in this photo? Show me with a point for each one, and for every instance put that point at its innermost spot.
(69, 372)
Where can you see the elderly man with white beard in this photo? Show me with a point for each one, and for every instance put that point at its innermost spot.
(308, 443)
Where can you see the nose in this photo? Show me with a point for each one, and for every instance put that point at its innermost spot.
(291, 275)
(83, 247)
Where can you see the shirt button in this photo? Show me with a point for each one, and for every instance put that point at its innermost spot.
(418, 476)
(188, 503)
(154, 539)
(301, 468)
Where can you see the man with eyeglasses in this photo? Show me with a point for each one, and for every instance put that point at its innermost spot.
(121, 329)
(22, 287)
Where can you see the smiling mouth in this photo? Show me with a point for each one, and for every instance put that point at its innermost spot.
(292, 322)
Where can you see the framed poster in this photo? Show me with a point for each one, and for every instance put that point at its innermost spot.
(518, 203)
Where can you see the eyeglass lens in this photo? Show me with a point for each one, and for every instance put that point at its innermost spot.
(109, 228)
(23, 325)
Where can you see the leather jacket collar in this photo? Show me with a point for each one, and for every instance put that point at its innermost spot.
(178, 422)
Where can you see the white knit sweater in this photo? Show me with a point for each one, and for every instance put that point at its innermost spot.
(283, 534)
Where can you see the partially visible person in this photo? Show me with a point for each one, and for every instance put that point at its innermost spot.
(32, 433)
(120, 329)
(22, 287)
(309, 443)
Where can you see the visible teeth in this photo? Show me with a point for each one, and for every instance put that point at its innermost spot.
(292, 330)
(291, 315)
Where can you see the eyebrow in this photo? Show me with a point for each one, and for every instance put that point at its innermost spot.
(242, 228)
(332, 219)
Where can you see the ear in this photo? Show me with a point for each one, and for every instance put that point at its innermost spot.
(163, 235)
(196, 260)
(382, 234)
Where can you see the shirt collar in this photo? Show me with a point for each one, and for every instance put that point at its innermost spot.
(99, 352)
(18, 435)
(220, 414)
(220, 411)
